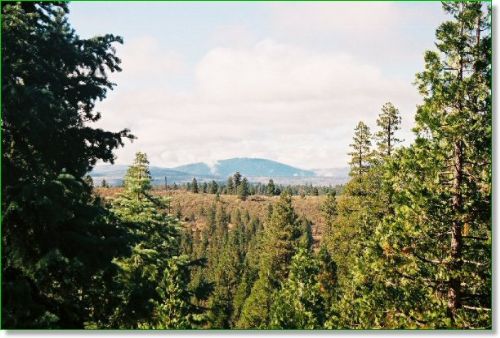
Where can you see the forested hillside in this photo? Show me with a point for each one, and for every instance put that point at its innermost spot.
(405, 244)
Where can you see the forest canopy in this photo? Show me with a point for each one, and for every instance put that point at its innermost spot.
(406, 243)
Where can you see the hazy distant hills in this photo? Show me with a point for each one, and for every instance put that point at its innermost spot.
(249, 167)
(119, 170)
(255, 169)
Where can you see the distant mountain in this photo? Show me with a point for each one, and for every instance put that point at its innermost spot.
(196, 169)
(249, 167)
(256, 169)
(119, 171)
(113, 174)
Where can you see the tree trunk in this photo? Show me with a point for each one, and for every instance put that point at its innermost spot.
(456, 232)
(389, 138)
(457, 203)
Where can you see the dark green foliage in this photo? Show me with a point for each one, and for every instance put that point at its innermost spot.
(442, 219)
(327, 276)
(299, 303)
(361, 154)
(175, 308)
(213, 187)
(279, 243)
(236, 181)
(255, 311)
(271, 188)
(194, 186)
(226, 278)
(58, 240)
(306, 238)
(154, 280)
(389, 121)
(406, 243)
(229, 185)
(425, 261)
(243, 189)
(156, 236)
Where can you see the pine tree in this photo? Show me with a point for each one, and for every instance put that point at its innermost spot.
(428, 263)
(229, 185)
(329, 211)
(299, 304)
(351, 221)
(156, 235)
(446, 194)
(226, 279)
(58, 241)
(154, 270)
(175, 309)
(243, 190)
(327, 277)
(271, 189)
(213, 188)
(194, 186)
(389, 121)
(306, 239)
(282, 233)
(236, 181)
(361, 153)
(241, 294)
(279, 244)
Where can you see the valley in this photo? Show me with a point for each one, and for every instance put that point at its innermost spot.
(191, 208)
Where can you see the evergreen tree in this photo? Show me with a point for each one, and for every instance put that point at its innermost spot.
(236, 181)
(213, 188)
(299, 304)
(361, 153)
(428, 262)
(156, 236)
(241, 294)
(143, 276)
(194, 186)
(229, 185)
(389, 121)
(279, 243)
(306, 239)
(327, 277)
(271, 189)
(329, 210)
(58, 241)
(175, 308)
(445, 179)
(243, 191)
(226, 279)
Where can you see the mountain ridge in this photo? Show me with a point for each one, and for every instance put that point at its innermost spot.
(247, 166)
(255, 169)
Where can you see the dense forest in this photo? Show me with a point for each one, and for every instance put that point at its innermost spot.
(406, 243)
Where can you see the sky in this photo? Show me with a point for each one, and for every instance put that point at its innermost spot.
(287, 81)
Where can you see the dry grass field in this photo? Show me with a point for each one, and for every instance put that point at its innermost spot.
(190, 204)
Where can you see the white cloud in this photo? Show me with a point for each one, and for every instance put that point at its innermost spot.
(144, 59)
(271, 100)
(390, 35)
(277, 72)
